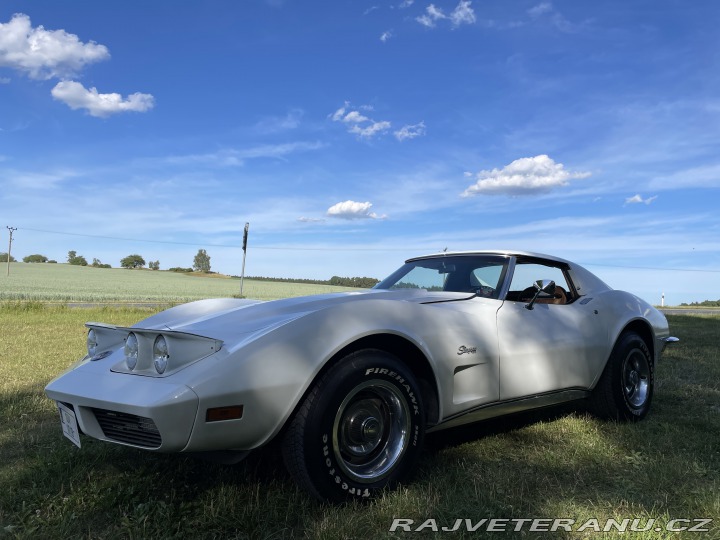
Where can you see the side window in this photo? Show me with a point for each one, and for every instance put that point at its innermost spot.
(485, 281)
(422, 278)
(522, 287)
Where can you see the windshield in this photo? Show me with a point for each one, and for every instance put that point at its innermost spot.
(479, 274)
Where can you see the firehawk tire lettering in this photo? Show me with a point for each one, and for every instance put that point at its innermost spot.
(359, 429)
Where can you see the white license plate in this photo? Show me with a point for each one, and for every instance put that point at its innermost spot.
(69, 424)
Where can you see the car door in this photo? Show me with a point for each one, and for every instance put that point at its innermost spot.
(552, 346)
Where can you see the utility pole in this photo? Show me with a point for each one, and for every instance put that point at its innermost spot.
(11, 229)
(245, 238)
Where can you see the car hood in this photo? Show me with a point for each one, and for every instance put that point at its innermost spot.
(228, 318)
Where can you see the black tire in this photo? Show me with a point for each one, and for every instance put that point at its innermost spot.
(625, 389)
(359, 430)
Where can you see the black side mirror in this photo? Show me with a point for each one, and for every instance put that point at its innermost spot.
(542, 286)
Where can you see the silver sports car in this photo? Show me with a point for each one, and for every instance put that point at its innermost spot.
(351, 382)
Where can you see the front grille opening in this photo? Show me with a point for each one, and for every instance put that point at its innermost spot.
(128, 428)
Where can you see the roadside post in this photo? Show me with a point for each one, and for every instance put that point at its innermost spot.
(245, 238)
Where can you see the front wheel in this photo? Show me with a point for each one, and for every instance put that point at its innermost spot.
(625, 389)
(359, 430)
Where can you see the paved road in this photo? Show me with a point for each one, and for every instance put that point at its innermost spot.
(117, 304)
(691, 311)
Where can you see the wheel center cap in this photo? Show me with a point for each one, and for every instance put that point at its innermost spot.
(634, 378)
(370, 429)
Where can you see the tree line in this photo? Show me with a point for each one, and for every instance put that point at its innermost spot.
(704, 303)
(359, 282)
(201, 263)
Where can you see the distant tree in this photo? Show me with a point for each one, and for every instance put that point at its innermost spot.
(361, 282)
(704, 303)
(37, 258)
(77, 260)
(180, 269)
(132, 261)
(4, 256)
(52, 261)
(98, 264)
(154, 265)
(201, 263)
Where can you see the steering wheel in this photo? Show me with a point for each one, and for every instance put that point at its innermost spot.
(485, 291)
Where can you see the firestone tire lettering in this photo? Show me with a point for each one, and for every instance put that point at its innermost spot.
(359, 430)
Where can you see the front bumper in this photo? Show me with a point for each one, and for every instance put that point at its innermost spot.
(128, 409)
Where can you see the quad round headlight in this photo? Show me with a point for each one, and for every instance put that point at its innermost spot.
(92, 344)
(131, 351)
(161, 355)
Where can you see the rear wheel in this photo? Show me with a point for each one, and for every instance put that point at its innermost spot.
(625, 389)
(359, 430)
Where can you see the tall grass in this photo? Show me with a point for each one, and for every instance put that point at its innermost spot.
(553, 464)
(68, 283)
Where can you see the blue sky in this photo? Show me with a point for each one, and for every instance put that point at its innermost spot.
(353, 134)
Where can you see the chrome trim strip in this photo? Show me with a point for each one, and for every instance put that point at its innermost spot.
(508, 407)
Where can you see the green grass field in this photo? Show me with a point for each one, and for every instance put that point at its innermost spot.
(556, 464)
(66, 283)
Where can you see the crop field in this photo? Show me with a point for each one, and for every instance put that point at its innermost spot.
(66, 283)
(559, 463)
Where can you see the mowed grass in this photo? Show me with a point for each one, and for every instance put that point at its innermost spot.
(555, 464)
(66, 283)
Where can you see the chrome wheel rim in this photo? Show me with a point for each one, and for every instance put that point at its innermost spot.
(636, 378)
(371, 431)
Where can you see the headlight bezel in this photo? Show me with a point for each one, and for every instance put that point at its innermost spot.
(140, 351)
(161, 354)
(131, 351)
(91, 342)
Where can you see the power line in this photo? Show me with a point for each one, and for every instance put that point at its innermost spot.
(653, 268)
(195, 244)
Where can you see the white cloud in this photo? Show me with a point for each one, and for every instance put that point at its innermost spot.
(366, 128)
(41, 181)
(354, 117)
(76, 96)
(385, 36)
(310, 220)
(359, 124)
(353, 210)
(277, 124)
(410, 132)
(43, 54)
(4, 80)
(546, 10)
(338, 115)
(406, 4)
(525, 176)
(370, 130)
(543, 7)
(432, 14)
(462, 14)
(234, 157)
(707, 176)
(637, 199)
